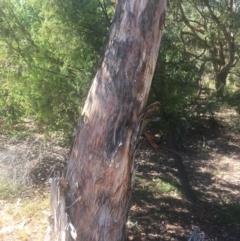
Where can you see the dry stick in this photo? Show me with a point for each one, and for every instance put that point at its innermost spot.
(74, 202)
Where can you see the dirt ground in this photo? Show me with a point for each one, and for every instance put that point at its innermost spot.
(211, 155)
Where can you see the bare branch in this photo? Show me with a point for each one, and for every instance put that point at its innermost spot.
(103, 7)
(228, 37)
(187, 22)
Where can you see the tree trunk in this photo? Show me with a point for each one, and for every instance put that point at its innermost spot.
(221, 81)
(100, 173)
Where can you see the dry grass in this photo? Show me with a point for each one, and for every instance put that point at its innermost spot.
(19, 157)
(24, 209)
(24, 219)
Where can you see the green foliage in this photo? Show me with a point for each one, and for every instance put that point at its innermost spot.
(165, 187)
(174, 84)
(16, 134)
(232, 97)
(49, 52)
(210, 33)
(195, 44)
(230, 212)
(158, 186)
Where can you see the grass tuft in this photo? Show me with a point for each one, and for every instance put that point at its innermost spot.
(157, 186)
(25, 219)
(9, 189)
(230, 213)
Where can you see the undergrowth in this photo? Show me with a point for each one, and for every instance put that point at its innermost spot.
(9, 189)
(230, 211)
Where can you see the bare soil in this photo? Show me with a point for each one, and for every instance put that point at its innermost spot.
(211, 155)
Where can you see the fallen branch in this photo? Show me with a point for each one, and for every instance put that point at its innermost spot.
(196, 236)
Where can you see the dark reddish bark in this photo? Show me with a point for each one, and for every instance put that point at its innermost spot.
(100, 172)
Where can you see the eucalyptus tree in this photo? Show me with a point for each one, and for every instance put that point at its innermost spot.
(92, 201)
(210, 33)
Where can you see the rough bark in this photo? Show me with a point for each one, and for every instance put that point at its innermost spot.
(100, 173)
(221, 81)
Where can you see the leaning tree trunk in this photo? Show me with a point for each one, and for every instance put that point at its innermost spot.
(96, 190)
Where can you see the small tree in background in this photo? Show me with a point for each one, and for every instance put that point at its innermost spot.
(210, 32)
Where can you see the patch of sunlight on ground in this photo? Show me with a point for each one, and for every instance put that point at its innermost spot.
(24, 219)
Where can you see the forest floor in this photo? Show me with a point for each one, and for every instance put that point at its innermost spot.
(211, 155)
(159, 211)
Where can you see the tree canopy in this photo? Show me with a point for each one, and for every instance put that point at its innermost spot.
(210, 33)
(51, 49)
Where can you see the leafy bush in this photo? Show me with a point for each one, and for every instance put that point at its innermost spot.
(174, 85)
(49, 53)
